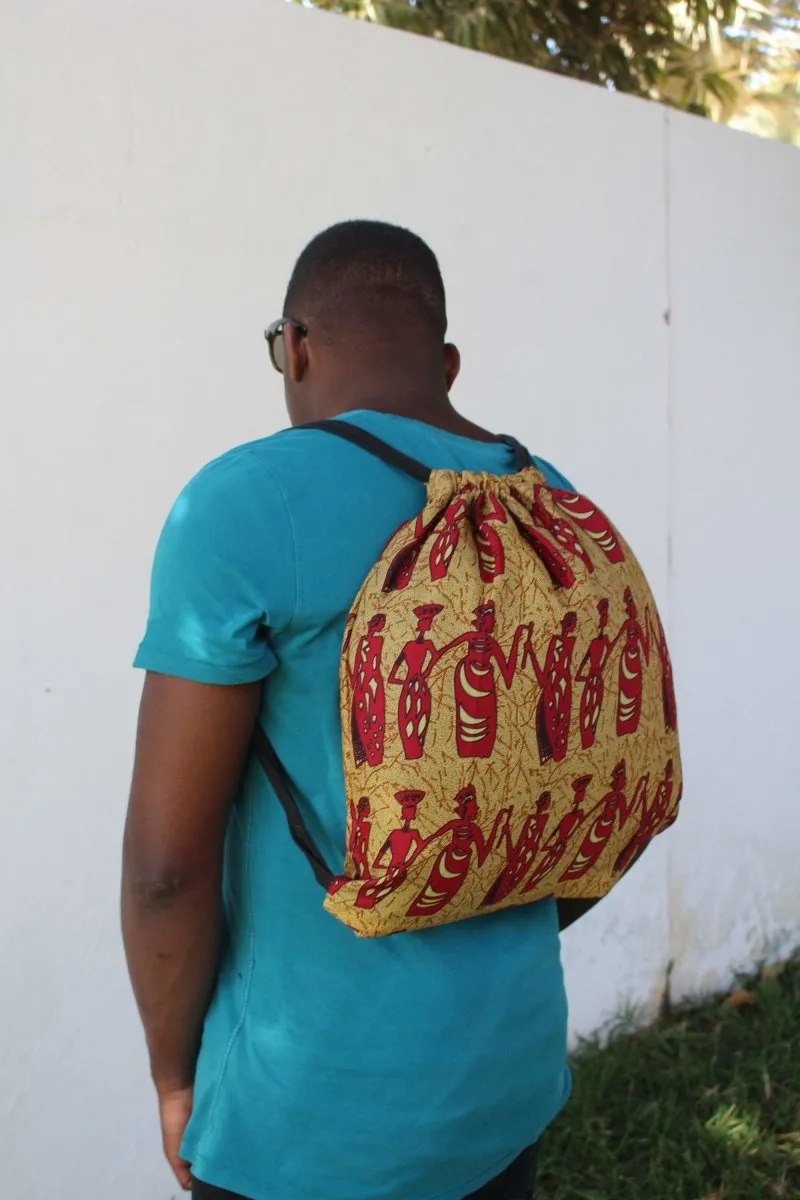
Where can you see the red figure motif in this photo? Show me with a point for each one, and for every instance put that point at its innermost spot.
(590, 674)
(613, 807)
(368, 711)
(559, 529)
(653, 820)
(639, 801)
(446, 541)
(554, 709)
(414, 706)
(474, 684)
(348, 634)
(402, 846)
(658, 636)
(402, 565)
(452, 866)
(661, 808)
(491, 555)
(522, 855)
(360, 830)
(557, 844)
(557, 567)
(635, 647)
(592, 520)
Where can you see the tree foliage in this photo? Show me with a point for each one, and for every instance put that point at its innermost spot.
(733, 61)
(745, 72)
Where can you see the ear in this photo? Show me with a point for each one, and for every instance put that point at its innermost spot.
(452, 364)
(296, 346)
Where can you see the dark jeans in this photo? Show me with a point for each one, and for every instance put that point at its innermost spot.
(516, 1183)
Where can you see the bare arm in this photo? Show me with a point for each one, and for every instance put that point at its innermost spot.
(613, 643)
(191, 748)
(638, 801)
(581, 675)
(381, 855)
(419, 846)
(459, 641)
(528, 652)
(485, 848)
(430, 662)
(394, 676)
(508, 666)
(434, 837)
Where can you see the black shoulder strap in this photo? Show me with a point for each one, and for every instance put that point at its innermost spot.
(522, 458)
(395, 458)
(262, 747)
(275, 773)
(373, 445)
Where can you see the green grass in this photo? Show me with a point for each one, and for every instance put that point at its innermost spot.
(704, 1105)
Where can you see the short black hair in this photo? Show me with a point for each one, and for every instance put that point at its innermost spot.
(367, 271)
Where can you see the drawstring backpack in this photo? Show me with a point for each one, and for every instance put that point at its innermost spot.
(509, 729)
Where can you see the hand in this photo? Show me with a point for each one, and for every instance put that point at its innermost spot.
(175, 1108)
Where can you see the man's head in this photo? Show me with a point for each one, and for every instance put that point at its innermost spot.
(366, 324)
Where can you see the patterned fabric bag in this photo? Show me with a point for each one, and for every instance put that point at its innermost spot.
(509, 727)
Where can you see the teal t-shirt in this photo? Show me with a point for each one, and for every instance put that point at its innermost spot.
(414, 1067)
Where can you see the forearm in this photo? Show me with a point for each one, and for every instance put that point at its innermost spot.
(172, 938)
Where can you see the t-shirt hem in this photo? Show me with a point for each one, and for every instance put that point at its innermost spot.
(241, 1185)
(236, 1181)
(148, 659)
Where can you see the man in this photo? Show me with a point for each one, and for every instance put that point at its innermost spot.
(291, 1059)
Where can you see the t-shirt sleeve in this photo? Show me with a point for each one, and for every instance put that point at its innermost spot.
(223, 579)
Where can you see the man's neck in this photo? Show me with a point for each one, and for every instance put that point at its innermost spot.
(438, 413)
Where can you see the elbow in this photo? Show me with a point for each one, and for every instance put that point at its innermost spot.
(162, 873)
(159, 884)
(158, 891)
(155, 891)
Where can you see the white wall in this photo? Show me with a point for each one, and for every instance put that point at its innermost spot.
(624, 286)
(735, 505)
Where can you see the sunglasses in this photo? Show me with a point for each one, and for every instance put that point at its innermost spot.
(277, 346)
